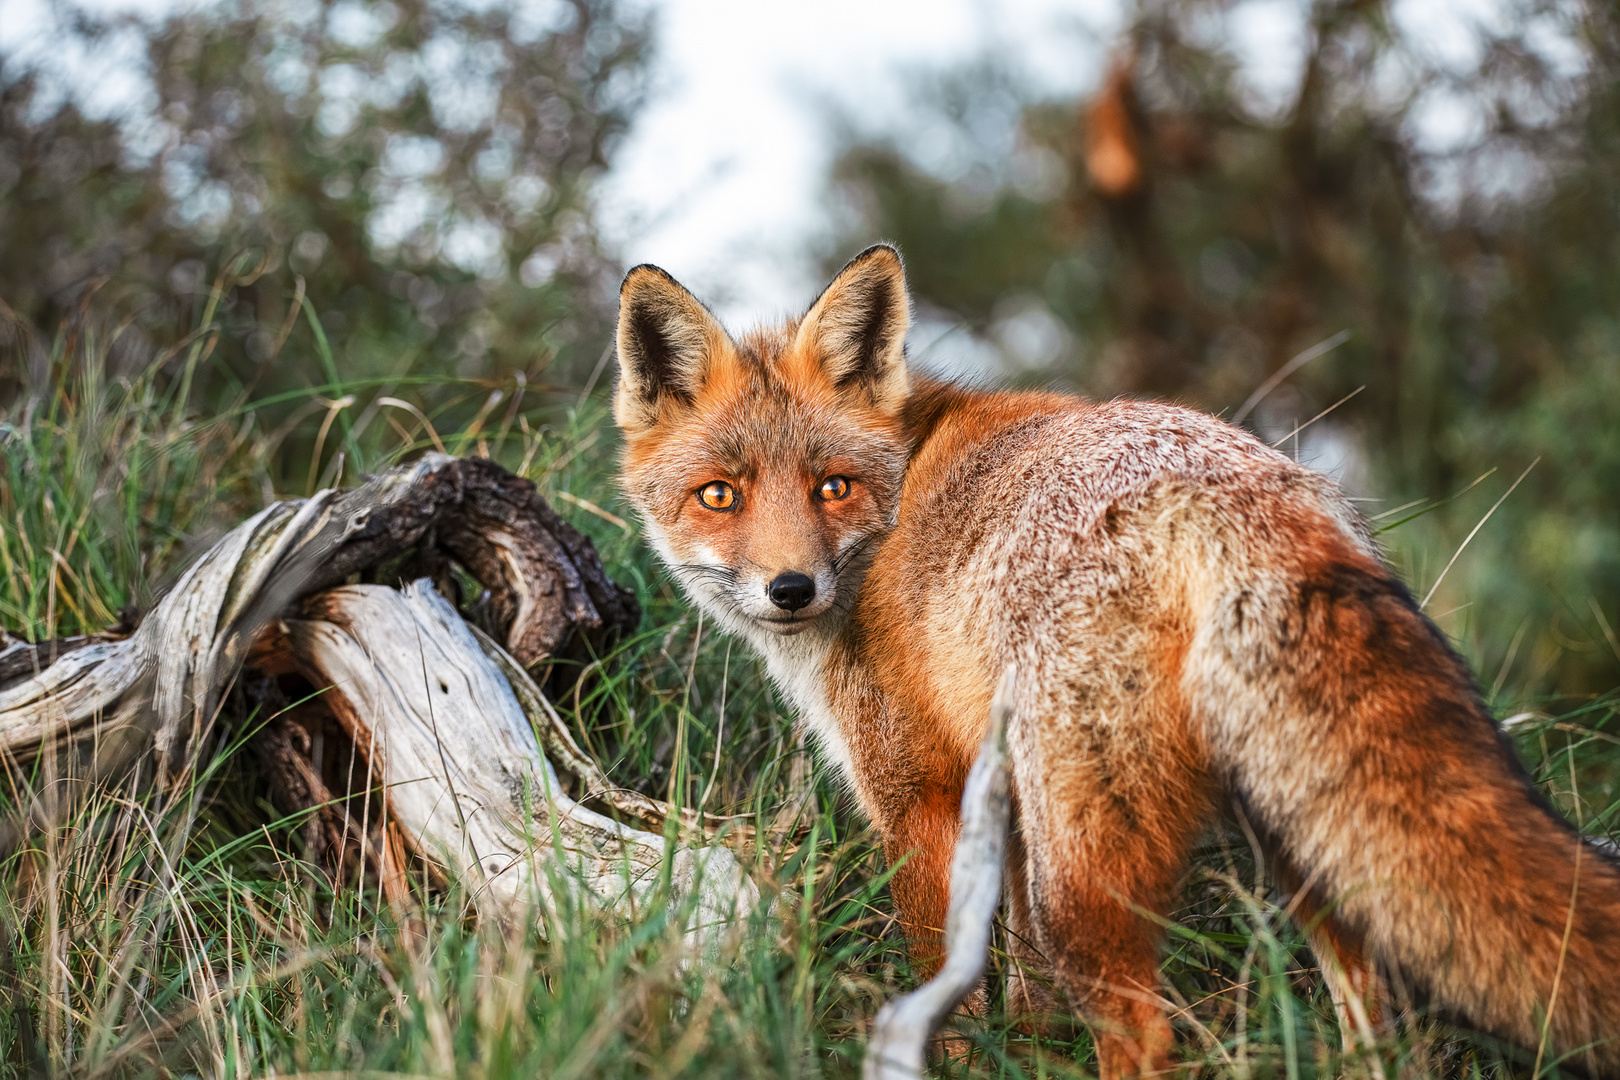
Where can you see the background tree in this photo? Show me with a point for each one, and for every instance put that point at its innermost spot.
(420, 173)
(1184, 232)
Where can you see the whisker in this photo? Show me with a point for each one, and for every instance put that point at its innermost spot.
(722, 582)
(843, 559)
(719, 573)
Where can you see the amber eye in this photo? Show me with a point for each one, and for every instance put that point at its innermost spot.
(717, 496)
(834, 487)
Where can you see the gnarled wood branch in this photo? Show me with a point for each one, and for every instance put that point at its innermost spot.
(465, 782)
(462, 773)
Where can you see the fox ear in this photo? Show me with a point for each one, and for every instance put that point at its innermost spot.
(857, 326)
(666, 341)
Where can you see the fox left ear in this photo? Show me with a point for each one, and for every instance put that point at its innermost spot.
(666, 341)
(857, 327)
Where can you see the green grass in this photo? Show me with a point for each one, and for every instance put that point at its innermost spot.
(188, 938)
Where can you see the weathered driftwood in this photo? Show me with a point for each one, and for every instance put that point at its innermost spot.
(547, 591)
(257, 599)
(463, 775)
(20, 659)
(900, 1035)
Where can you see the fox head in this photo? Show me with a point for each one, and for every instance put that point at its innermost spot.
(765, 465)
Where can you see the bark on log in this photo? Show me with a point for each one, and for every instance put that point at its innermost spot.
(258, 598)
(900, 1035)
(548, 592)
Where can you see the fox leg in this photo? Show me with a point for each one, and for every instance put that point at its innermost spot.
(922, 841)
(1105, 954)
(1358, 993)
(1352, 982)
(1030, 998)
(1110, 809)
(919, 841)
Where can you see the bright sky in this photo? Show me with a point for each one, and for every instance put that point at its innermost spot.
(722, 180)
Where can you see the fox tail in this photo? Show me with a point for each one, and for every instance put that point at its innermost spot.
(1353, 738)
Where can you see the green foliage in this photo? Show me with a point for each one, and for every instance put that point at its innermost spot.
(419, 173)
(1182, 234)
(106, 485)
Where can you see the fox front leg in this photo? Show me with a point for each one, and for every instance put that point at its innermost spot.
(919, 842)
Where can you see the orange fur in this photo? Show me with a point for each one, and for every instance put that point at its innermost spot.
(1196, 621)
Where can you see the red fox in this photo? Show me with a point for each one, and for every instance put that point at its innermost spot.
(1197, 622)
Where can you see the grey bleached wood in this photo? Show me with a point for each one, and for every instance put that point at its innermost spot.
(167, 675)
(547, 595)
(465, 778)
(157, 690)
(900, 1035)
(547, 590)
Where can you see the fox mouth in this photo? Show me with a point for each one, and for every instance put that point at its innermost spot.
(787, 626)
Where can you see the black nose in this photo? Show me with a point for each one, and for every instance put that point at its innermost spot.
(791, 591)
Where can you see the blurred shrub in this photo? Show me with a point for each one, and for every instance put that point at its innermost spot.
(1453, 201)
(420, 172)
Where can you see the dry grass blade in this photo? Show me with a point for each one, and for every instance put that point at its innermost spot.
(1474, 532)
(1321, 348)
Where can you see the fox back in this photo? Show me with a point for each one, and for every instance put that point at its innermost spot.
(1199, 625)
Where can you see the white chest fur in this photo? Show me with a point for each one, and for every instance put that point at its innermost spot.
(798, 667)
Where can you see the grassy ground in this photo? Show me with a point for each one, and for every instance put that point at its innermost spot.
(189, 938)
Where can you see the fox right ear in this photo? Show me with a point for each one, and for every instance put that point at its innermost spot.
(666, 341)
(856, 329)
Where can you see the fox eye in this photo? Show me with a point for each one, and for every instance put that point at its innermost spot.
(717, 496)
(834, 488)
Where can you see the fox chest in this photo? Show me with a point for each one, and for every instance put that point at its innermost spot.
(893, 724)
(801, 677)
